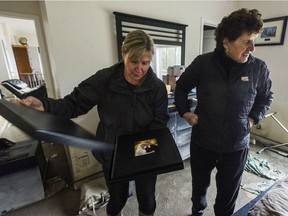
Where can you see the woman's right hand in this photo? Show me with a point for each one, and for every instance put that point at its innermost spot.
(191, 118)
(32, 102)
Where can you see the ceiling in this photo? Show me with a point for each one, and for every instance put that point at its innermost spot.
(19, 25)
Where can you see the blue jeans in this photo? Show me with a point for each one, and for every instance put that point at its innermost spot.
(119, 193)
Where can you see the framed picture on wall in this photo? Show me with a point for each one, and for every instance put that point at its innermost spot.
(273, 32)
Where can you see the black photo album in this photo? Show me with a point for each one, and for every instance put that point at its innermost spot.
(44, 126)
(145, 153)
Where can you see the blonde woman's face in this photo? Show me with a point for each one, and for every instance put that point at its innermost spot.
(135, 71)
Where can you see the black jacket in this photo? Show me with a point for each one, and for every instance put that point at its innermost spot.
(227, 93)
(121, 109)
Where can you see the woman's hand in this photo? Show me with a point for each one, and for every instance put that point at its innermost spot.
(191, 118)
(251, 122)
(32, 102)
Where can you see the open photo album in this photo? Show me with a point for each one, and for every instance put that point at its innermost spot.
(145, 153)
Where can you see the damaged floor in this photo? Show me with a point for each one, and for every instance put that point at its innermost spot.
(173, 189)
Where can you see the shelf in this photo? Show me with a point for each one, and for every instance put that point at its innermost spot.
(185, 151)
(180, 129)
(183, 139)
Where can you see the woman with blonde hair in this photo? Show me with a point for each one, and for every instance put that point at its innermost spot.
(129, 98)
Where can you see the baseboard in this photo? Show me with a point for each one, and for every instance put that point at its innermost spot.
(267, 142)
(263, 140)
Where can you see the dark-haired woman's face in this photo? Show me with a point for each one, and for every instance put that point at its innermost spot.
(240, 49)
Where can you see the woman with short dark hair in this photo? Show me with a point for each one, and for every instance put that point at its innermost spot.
(233, 93)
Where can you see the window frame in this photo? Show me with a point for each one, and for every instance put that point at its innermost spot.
(162, 32)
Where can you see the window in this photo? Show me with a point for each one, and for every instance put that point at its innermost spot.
(167, 56)
(169, 39)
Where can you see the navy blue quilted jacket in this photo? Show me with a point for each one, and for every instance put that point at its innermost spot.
(228, 93)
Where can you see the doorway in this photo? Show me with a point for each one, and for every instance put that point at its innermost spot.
(20, 51)
(207, 42)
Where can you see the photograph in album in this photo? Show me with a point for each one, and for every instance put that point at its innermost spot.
(145, 153)
(144, 147)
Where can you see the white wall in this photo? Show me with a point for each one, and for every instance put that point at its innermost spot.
(276, 59)
(83, 34)
(84, 37)
(3, 62)
(6, 35)
(31, 38)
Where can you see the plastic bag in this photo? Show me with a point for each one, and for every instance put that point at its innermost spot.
(94, 195)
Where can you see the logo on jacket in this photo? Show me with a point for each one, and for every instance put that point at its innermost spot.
(245, 78)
